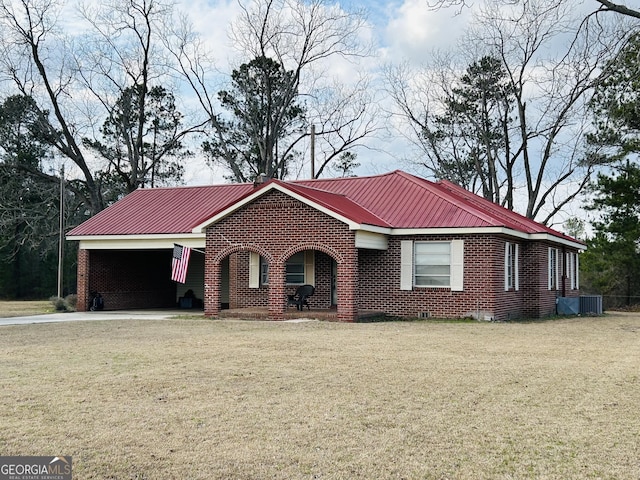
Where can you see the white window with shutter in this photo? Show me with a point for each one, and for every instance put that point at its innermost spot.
(554, 270)
(299, 270)
(432, 264)
(294, 269)
(572, 269)
(511, 261)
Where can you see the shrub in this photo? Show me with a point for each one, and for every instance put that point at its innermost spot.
(67, 304)
(58, 304)
(71, 302)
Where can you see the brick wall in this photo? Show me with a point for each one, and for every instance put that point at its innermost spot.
(539, 300)
(484, 294)
(482, 279)
(240, 295)
(83, 280)
(322, 296)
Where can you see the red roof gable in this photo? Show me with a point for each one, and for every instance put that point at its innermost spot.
(336, 202)
(393, 200)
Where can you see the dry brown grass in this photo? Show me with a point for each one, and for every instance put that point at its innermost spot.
(18, 308)
(203, 399)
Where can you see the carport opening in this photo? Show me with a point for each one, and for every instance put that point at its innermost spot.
(141, 279)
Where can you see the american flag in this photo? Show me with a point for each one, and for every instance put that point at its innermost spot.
(180, 263)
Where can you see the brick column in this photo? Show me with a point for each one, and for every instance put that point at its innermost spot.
(83, 280)
(277, 298)
(211, 286)
(233, 280)
(347, 287)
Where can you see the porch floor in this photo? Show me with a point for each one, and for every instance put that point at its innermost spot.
(262, 313)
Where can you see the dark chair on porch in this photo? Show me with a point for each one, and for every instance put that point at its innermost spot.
(301, 297)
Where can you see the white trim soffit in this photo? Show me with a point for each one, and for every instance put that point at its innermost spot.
(123, 242)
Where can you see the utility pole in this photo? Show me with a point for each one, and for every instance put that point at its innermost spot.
(313, 152)
(61, 237)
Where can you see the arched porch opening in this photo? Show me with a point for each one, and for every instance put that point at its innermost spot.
(258, 282)
(232, 279)
(313, 265)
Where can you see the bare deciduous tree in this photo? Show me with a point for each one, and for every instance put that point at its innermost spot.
(602, 6)
(36, 58)
(307, 40)
(463, 125)
(82, 76)
(549, 88)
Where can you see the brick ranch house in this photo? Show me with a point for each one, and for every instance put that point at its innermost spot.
(392, 243)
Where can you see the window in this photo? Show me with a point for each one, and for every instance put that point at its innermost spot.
(264, 272)
(299, 269)
(511, 281)
(431, 264)
(572, 268)
(553, 269)
(295, 269)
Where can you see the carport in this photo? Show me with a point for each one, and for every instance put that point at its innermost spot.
(127, 278)
(125, 251)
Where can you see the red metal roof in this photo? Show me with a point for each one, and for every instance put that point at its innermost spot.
(405, 201)
(393, 200)
(336, 202)
(517, 221)
(161, 210)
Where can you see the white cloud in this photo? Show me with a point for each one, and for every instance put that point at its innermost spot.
(414, 30)
(212, 20)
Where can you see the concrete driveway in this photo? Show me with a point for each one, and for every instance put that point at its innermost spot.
(104, 315)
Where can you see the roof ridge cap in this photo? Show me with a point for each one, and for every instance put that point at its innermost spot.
(437, 190)
(339, 179)
(317, 189)
(187, 187)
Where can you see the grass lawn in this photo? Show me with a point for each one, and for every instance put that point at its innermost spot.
(18, 308)
(206, 399)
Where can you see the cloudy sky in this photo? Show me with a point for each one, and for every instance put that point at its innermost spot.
(403, 28)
